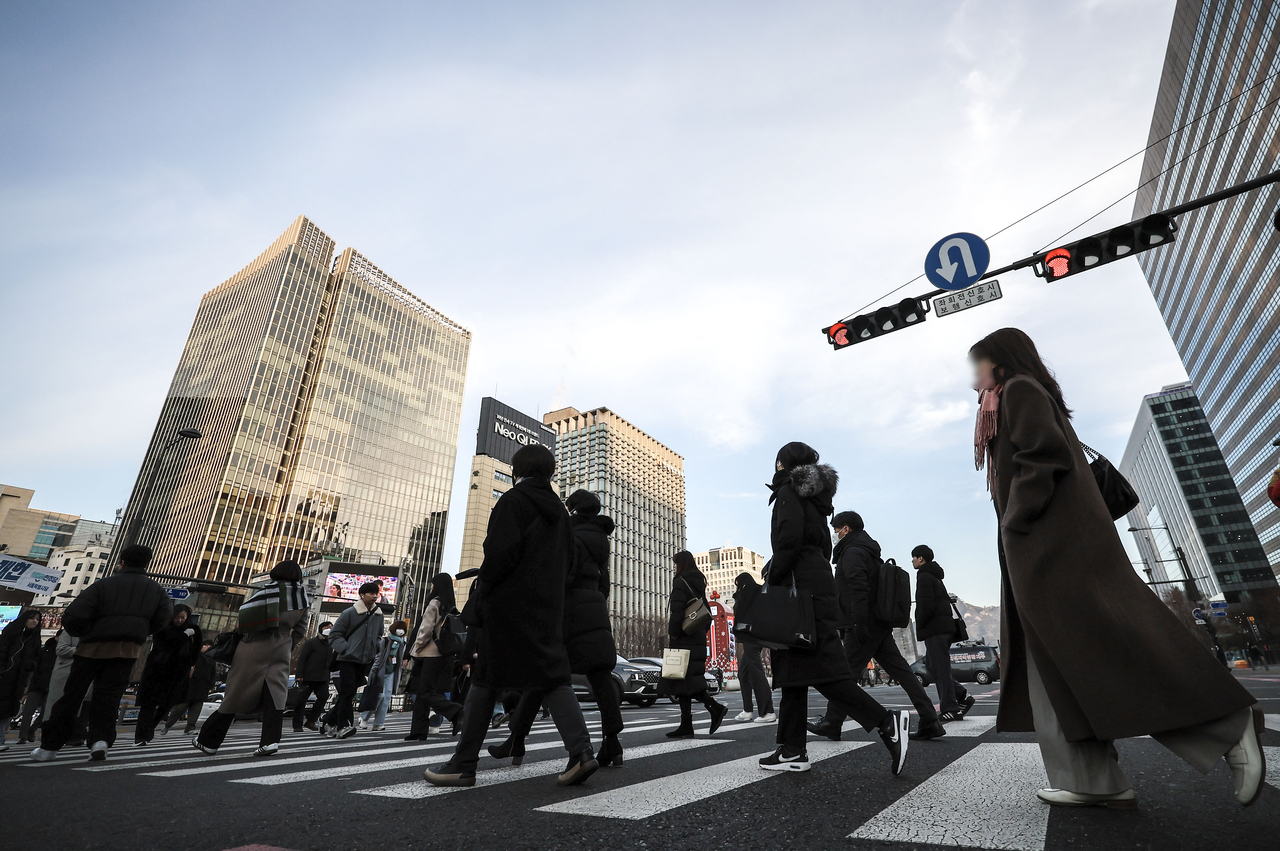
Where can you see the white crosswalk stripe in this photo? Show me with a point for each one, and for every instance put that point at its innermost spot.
(510, 774)
(971, 726)
(642, 800)
(1273, 765)
(985, 799)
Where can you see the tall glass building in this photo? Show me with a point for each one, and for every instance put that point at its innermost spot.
(329, 398)
(1218, 285)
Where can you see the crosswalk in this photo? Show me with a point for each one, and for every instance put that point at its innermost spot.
(981, 795)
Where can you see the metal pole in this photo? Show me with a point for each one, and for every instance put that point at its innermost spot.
(1222, 195)
(135, 527)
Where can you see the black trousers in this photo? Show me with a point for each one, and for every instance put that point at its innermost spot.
(884, 650)
(351, 675)
(109, 678)
(215, 728)
(431, 679)
(320, 688)
(191, 708)
(938, 660)
(751, 679)
(526, 710)
(793, 709)
(686, 706)
(478, 715)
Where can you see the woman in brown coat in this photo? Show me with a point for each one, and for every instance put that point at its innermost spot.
(1089, 653)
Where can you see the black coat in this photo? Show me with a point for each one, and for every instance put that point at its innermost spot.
(933, 604)
(44, 667)
(168, 665)
(314, 661)
(688, 586)
(203, 675)
(527, 551)
(127, 606)
(857, 561)
(19, 655)
(588, 635)
(801, 553)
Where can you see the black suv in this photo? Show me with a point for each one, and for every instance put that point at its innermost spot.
(970, 663)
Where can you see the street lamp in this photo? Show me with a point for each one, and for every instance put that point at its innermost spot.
(1188, 581)
(131, 536)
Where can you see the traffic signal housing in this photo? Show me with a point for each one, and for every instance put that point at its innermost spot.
(1097, 250)
(847, 332)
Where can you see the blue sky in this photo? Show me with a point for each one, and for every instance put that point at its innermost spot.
(652, 207)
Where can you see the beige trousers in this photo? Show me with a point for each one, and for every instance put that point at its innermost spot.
(1093, 767)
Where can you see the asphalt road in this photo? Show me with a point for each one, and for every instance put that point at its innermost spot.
(973, 788)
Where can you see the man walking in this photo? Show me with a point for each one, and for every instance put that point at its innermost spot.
(355, 639)
(312, 671)
(174, 651)
(204, 672)
(857, 559)
(751, 678)
(112, 618)
(936, 627)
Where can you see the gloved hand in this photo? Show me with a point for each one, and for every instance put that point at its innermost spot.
(189, 632)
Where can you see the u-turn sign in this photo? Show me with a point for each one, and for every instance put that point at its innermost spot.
(957, 261)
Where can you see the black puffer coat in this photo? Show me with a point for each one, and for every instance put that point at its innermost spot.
(314, 661)
(933, 604)
(44, 667)
(857, 560)
(588, 635)
(527, 551)
(688, 586)
(126, 606)
(802, 552)
(19, 655)
(173, 652)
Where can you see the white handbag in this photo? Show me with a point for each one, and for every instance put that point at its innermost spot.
(675, 663)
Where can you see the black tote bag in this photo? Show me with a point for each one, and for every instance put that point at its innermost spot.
(1117, 493)
(775, 616)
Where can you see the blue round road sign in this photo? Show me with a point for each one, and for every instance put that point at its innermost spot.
(957, 261)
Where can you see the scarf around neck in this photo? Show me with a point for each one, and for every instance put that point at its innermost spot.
(984, 430)
(261, 612)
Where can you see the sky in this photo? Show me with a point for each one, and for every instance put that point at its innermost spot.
(650, 207)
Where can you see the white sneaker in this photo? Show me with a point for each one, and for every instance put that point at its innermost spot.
(3, 747)
(364, 725)
(743, 716)
(1247, 760)
(98, 752)
(1125, 800)
(433, 731)
(346, 733)
(770, 718)
(378, 729)
(42, 755)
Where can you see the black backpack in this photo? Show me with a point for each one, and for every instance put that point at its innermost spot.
(448, 641)
(892, 605)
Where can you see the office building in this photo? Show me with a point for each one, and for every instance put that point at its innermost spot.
(1191, 522)
(502, 431)
(640, 483)
(81, 566)
(1218, 285)
(329, 399)
(28, 532)
(722, 565)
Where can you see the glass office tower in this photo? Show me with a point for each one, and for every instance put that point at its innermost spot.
(1218, 286)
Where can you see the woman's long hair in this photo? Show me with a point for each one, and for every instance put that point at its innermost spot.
(684, 561)
(1013, 353)
(442, 589)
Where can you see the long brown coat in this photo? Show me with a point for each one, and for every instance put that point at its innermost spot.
(263, 659)
(1115, 661)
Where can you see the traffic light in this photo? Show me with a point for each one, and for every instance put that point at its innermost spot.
(909, 311)
(1093, 251)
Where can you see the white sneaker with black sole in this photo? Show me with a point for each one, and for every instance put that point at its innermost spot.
(781, 760)
(894, 733)
(98, 752)
(767, 718)
(345, 733)
(743, 717)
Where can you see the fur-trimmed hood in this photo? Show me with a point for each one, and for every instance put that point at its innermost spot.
(813, 480)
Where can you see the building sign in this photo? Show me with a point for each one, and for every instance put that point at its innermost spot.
(28, 576)
(504, 430)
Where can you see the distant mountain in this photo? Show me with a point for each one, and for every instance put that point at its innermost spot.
(982, 621)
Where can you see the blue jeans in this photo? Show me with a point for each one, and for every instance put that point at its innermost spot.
(384, 703)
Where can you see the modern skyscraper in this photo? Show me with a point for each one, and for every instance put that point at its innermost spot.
(502, 431)
(1191, 522)
(329, 401)
(721, 566)
(28, 532)
(640, 483)
(1218, 285)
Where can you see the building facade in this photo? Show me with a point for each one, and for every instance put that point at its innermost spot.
(28, 532)
(329, 398)
(1191, 522)
(502, 431)
(81, 566)
(722, 565)
(1218, 285)
(640, 483)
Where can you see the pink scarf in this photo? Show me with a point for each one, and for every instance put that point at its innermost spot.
(984, 430)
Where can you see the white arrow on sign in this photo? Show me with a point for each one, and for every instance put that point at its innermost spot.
(948, 269)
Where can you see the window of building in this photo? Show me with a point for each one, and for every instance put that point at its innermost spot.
(73, 579)
(496, 493)
(503, 477)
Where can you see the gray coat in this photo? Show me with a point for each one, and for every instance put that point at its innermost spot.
(362, 645)
(66, 653)
(263, 659)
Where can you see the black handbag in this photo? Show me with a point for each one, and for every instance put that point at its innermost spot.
(224, 648)
(776, 616)
(1117, 493)
(961, 629)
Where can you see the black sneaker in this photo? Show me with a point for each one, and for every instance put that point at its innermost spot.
(782, 760)
(893, 732)
(825, 729)
(929, 731)
(948, 717)
(966, 705)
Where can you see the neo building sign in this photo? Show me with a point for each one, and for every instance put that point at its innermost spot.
(503, 430)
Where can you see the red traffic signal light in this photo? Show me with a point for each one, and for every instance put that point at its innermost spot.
(909, 311)
(1099, 249)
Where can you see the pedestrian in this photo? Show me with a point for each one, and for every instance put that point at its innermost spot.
(432, 673)
(270, 624)
(936, 627)
(588, 634)
(689, 584)
(751, 678)
(802, 493)
(38, 690)
(174, 650)
(1089, 653)
(527, 552)
(1256, 657)
(19, 657)
(384, 679)
(112, 618)
(195, 691)
(312, 670)
(355, 639)
(866, 637)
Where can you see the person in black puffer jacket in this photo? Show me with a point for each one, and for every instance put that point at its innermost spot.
(19, 657)
(112, 618)
(936, 627)
(174, 651)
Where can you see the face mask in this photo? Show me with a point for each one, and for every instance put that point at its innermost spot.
(399, 632)
(324, 633)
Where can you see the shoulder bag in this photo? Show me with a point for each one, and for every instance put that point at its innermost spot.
(224, 648)
(1117, 493)
(776, 617)
(697, 616)
(961, 630)
(675, 663)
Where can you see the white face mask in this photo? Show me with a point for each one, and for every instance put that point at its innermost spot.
(399, 632)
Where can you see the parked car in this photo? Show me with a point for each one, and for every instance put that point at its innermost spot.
(970, 663)
(632, 681)
(655, 666)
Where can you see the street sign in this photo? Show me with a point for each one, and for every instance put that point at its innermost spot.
(179, 593)
(1218, 604)
(1199, 622)
(1219, 614)
(945, 305)
(957, 261)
